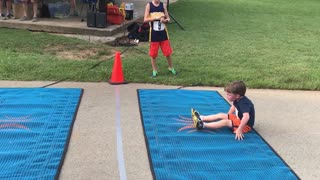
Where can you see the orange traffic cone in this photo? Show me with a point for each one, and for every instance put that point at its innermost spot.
(117, 74)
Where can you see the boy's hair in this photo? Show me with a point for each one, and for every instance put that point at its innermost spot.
(236, 87)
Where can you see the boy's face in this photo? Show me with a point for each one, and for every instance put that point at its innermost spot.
(232, 97)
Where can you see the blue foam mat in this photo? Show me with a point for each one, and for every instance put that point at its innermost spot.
(35, 126)
(177, 151)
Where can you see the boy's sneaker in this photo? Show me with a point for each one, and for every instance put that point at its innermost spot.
(1, 17)
(197, 122)
(172, 70)
(154, 73)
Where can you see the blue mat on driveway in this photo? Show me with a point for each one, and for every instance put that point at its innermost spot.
(35, 127)
(178, 151)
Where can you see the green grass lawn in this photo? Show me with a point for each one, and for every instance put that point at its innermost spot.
(266, 43)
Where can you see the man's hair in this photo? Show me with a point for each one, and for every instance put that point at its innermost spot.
(236, 87)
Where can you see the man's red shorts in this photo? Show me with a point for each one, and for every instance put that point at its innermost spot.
(165, 48)
(236, 123)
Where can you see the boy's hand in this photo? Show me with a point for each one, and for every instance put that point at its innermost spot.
(239, 134)
(163, 20)
(159, 18)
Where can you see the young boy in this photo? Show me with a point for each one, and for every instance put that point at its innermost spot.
(157, 15)
(240, 117)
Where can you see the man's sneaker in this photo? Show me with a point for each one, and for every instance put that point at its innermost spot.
(1, 16)
(172, 70)
(34, 19)
(154, 73)
(197, 122)
(74, 13)
(23, 18)
(9, 16)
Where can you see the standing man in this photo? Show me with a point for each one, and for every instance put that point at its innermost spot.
(8, 5)
(25, 10)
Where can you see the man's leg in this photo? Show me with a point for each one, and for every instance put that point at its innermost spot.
(9, 4)
(25, 9)
(1, 4)
(73, 8)
(35, 10)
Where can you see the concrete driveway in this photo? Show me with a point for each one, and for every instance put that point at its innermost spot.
(288, 120)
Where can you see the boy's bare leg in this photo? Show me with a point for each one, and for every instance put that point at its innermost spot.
(153, 64)
(214, 117)
(218, 124)
(169, 61)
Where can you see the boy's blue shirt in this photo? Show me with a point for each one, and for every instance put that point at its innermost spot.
(158, 30)
(244, 105)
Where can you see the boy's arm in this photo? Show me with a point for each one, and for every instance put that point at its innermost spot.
(244, 121)
(232, 109)
(147, 17)
(166, 14)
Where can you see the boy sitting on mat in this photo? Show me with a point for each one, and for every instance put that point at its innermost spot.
(240, 117)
